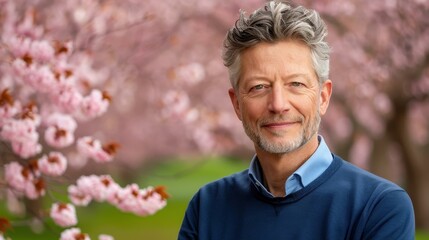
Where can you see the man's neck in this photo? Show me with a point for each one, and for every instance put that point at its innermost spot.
(278, 167)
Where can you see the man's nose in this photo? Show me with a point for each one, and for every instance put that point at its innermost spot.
(278, 101)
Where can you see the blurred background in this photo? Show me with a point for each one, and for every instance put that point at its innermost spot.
(161, 63)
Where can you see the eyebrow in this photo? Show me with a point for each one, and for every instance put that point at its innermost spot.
(291, 76)
(299, 75)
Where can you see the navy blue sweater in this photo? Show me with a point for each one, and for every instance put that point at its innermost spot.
(345, 202)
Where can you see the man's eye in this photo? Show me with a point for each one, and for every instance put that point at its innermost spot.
(258, 87)
(297, 84)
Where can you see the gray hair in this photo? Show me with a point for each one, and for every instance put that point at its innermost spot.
(277, 21)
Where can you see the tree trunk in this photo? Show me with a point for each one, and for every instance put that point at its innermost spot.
(415, 167)
(379, 158)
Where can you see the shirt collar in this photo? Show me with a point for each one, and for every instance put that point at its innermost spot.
(316, 164)
(308, 172)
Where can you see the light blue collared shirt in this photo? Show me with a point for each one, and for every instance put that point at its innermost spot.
(304, 175)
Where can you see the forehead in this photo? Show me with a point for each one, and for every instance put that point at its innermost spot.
(287, 57)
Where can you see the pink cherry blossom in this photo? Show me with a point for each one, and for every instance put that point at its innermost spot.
(60, 130)
(20, 130)
(150, 203)
(104, 187)
(23, 181)
(55, 164)
(105, 237)
(92, 148)
(8, 111)
(80, 15)
(73, 234)
(67, 98)
(63, 214)
(64, 49)
(141, 202)
(102, 156)
(35, 188)
(41, 78)
(57, 137)
(22, 133)
(116, 197)
(85, 184)
(192, 73)
(16, 176)
(38, 78)
(176, 103)
(18, 46)
(94, 104)
(62, 121)
(26, 149)
(87, 146)
(98, 188)
(128, 198)
(8, 106)
(42, 51)
(19, 68)
(78, 197)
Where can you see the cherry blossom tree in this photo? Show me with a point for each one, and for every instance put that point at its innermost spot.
(48, 87)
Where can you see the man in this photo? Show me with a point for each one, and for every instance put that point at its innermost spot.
(295, 188)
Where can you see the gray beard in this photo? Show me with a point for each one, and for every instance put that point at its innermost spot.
(285, 147)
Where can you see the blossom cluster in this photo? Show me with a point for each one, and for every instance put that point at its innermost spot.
(53, 75)
(20, 131)
(43, 73)
(131, 198)
(27, 180)
(43, 66)
(102, 188)
(47, 88)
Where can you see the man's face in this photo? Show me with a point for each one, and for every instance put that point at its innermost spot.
(279, 99)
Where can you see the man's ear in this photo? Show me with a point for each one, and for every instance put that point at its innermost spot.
(325, 96)
(234, 100)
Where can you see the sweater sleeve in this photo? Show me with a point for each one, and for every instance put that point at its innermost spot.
(189, 228)
(392, 217)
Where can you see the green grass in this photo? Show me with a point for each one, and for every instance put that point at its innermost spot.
(182, 180)
(422, 235)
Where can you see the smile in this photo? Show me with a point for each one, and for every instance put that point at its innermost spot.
(279, 125)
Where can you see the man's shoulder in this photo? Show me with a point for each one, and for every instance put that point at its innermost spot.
(376, 200)
(369, 191)
(354, 174)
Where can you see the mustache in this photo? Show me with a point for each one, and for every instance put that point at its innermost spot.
(279, 119)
